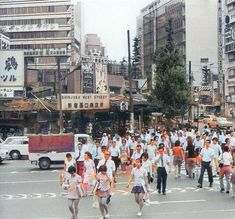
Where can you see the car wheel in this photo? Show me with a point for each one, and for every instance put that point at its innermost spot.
(15, 155)
(44, 163)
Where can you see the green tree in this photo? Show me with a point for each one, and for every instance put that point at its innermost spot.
(171, 95)
(206, 76)
(136, 58)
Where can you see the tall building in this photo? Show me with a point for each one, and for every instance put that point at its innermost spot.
(93, 45)
(195, 32)
(44, 30)
(228, 74)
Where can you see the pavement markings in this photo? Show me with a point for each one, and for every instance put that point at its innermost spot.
(175, 202)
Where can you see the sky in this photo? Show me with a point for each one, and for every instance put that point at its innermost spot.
(111, 19)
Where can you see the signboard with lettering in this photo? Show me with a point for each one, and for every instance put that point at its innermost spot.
(11, 68)
(78, 102)
(11, 92)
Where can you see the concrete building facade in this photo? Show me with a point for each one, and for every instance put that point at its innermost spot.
(45, 30)
(195, 32)
(228, 30)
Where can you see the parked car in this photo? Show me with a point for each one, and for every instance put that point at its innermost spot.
(3, 155)
(17, 146)
(223, 122)
(208, 118)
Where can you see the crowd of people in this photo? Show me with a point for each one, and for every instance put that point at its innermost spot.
(146, 156)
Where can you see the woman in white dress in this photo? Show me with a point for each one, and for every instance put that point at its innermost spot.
(89, 173)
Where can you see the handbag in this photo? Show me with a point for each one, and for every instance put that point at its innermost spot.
(221, 164)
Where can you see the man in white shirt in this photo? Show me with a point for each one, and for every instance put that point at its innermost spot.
(162, 161)
(79, 157)
(104, 140)
(217, 151)
(207, 155)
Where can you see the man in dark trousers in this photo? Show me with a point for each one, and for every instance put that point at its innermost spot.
(162, 161)
(207, 154)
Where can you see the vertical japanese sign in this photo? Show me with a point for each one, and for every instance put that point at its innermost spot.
(11, 68)
(101, 78)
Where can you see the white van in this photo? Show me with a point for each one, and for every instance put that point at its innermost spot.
(83, 138)
(17, 146)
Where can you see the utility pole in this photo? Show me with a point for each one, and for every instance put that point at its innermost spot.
(191, 94)
(59, 96)
(132, 121)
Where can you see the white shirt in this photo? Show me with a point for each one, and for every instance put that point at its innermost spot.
(198, 143)
(79, 154)
(147, 165)
(110, 167)
(67, 163)
(136, 155)
(217, 149)
(162, 162)
(114, 151)
(226, 158)
(207, 154)
(104, 141)
(139, 174)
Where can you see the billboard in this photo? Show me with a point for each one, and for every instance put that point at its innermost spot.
(11, 68)
(78, 102)
(101, 78)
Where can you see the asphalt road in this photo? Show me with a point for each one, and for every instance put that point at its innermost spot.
(29, 193)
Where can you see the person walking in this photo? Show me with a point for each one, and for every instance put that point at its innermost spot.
(110, 169)
(178, 154)
(139, 174)
(162, 161)
(226, 160)
(124, 155)
(115, 154)
(79, 157)
(71, 183)
(190, 160)
(89, 173)
(147, 165)
(103, 190)
(207, 155)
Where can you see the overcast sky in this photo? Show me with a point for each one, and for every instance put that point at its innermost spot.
(111, 19)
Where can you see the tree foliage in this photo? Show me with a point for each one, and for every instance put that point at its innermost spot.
(171, 95)
(136, 58)
(206, 76)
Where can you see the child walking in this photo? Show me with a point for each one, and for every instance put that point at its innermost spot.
(103, 190)
(71, 183)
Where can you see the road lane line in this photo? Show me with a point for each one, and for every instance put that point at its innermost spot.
(175, 202)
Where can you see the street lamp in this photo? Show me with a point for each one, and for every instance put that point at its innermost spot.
(197, 102)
